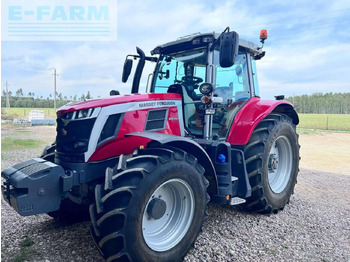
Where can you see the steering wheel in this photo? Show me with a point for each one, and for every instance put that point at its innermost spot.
(192, 79)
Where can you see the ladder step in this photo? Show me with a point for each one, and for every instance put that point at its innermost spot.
(236, 201)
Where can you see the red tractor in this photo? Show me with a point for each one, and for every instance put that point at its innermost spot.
(146, 165)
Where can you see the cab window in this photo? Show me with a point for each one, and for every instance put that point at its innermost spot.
(255, 79)
(232, 84)
(186, 68)
(183, 73)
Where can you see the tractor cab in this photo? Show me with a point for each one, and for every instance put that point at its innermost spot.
(215, 75)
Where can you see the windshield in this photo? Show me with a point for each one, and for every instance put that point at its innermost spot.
(187, 68)
(232, 83)
(183, 73)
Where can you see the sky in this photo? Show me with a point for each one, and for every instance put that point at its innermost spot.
(307, 50)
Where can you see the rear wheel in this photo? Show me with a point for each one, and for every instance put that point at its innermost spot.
(152, 208)
(272, 160)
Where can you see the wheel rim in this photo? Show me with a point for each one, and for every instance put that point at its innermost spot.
(167, 231)
(280, 164)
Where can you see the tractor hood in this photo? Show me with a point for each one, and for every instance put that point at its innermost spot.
(114, 100)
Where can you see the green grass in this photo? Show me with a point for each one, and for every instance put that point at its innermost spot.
(23, 111)
(9, 144)
(28, 242)
(25, 251)
(313, 131)
(23, 255)
(319, 121)
(22, 131)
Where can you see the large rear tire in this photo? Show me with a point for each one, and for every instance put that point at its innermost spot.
(153, 207)
(272, 161)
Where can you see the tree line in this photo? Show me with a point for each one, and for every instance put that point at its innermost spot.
(319, 103)
(19, 99)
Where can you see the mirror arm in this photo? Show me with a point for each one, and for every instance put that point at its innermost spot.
(218, 39)
(151, 58)
(147, 58)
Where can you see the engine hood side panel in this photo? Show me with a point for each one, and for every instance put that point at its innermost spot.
(134, 120)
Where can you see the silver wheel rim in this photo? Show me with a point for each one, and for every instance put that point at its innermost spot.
(166, 232)
(280, 164)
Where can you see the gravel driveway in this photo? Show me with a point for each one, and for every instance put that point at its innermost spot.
(315, 226)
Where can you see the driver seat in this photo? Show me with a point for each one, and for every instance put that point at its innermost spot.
(188, 105)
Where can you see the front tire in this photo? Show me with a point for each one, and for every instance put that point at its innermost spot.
(152, 209)
(272, 161)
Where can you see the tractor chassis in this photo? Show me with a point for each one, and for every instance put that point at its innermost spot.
(37, 186)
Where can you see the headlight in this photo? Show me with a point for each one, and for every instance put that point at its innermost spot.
(79, 114)
(206, 88)
(84, 113)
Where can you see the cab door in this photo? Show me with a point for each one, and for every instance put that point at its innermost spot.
(233, 85)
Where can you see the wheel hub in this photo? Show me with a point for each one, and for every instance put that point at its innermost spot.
(168, 215)
(273, 162)
(280, 164)
(156, 208)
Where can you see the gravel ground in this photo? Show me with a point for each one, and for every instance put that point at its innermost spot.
(315, 226)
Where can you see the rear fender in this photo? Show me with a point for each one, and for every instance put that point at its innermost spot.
(187, 145)
(252, 113)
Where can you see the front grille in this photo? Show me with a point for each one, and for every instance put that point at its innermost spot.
(155, 125)
(110, 129)
(156, 120)
(157, 114)
(73, 136)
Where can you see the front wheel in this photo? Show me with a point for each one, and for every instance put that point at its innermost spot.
(152, 209)
(272, 161)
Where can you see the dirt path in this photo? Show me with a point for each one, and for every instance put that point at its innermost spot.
(323, 151)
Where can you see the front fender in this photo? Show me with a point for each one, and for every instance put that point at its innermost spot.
(252, 113)
(188, 146)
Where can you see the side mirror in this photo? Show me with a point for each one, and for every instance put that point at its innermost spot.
(126, 70)
(229, 44)
(167, 74)
(114, 93)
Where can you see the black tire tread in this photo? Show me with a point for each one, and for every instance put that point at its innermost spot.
(127, 175)
(254, 155)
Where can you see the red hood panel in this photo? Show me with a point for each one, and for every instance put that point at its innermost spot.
(114, 100)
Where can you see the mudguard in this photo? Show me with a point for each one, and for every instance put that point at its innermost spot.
(252, 113)
(187, 145)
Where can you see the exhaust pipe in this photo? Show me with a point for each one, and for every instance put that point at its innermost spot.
(138, 72)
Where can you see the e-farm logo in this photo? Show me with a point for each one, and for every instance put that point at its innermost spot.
(64, 20)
